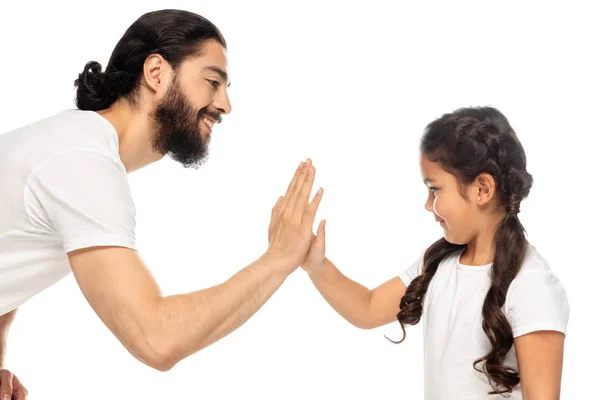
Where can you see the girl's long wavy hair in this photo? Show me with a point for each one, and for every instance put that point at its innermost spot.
(467, 143)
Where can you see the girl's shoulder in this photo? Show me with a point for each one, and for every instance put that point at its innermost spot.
(535, 278)
(536, 298)
(534, 265)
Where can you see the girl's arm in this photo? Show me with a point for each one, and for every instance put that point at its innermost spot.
(358, 305)
(363, 308)
(540, 359)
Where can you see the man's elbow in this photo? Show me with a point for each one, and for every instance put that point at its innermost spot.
(157, 353)
(162, 364)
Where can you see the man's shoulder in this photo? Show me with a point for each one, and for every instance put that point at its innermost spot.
(67, 132)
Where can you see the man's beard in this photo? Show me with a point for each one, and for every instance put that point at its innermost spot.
(177, 132)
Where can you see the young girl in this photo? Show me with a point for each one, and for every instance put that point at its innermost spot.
(494, 314)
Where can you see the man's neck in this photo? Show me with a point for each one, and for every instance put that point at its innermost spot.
(135, 135)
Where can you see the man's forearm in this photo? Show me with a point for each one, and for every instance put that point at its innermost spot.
(5, 322)
(186, 323)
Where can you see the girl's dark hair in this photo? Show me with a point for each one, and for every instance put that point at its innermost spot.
(466, 143)
(174, 34)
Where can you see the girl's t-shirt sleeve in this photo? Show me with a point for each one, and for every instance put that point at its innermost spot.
(413, 271)
(537, 301)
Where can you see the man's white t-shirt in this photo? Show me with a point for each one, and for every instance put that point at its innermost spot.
(452, 316)
(63, 188)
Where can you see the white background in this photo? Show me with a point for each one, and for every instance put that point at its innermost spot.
(352, 86)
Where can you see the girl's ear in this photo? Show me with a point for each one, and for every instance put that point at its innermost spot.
(486, 188)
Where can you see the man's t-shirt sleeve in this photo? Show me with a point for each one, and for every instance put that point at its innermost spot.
(83, 197)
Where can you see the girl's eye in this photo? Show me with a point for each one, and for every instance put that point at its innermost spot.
(433, 189)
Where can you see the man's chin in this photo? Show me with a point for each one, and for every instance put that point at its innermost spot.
(189, 161)
(205, 137)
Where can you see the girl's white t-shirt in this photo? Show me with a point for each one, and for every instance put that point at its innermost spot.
(452, 319)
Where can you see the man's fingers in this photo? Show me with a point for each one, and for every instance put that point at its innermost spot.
(276, 207)
(292, 185)
(293, 181)
(275, 211)
(292, 197)
(304, 193)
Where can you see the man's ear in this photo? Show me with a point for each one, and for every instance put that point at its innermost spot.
(155, 73)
